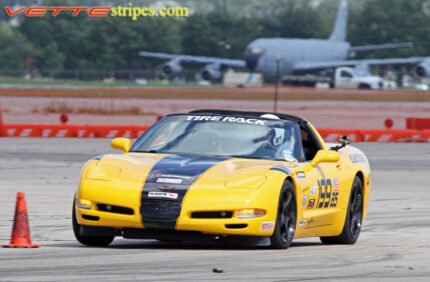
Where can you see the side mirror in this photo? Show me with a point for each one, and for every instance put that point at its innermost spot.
(121, 143)
(325, 156)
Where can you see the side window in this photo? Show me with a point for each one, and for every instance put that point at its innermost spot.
(345, 74)
(309, 143)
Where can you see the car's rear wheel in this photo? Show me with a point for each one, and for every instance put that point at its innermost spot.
(352, 227)
(93, 241)
(364, 86)
(285, 226)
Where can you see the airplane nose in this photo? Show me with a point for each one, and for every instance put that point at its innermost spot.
(251, 57)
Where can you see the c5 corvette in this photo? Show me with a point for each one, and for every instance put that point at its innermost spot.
(222, 174)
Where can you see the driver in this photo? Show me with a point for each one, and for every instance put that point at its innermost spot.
(278, 144)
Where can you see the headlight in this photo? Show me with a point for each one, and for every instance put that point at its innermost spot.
(246, 181)
(102, 172)
(250, 213)
(83, 204)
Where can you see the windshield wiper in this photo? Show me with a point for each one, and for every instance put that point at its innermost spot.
(255, 158)
(149, 151)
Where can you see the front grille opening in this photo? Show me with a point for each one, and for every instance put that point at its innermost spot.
(160, 210)
(212, 214)
(236, 226)
(90, 217)
(115, 209)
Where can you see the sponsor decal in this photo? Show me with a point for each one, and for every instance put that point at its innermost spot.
(357, 158)
(267, 226)
(301, 174)
(169, 180)
(313, 190)
(302, 222)
(304, 200)
(162, 195)
(311, 203)
(173, 176)
(227, 119)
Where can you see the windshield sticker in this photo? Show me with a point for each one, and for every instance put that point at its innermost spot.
(227, 119)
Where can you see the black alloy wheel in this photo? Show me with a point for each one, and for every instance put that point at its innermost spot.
(285, 226)
(353, 221)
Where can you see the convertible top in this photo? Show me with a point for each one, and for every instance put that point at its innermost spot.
(249, 114)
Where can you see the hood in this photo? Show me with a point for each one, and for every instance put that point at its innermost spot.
(185, 169)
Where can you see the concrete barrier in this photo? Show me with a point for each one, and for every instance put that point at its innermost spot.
(376, 135)
(76, 131)
(134, 131)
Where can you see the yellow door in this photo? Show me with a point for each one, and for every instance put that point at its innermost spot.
(323, 193)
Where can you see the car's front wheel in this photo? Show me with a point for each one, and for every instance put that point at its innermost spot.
(93, 241)
(285, 226)
(352, 227)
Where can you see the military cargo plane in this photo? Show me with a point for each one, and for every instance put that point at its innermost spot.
(284, 56)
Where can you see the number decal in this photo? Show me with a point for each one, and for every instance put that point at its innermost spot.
(327, 194)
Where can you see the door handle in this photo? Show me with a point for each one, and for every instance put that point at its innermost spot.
(339, 166)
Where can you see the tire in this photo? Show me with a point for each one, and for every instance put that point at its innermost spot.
(286, 218)
(364, 87)
(93, 241)
(354, 216)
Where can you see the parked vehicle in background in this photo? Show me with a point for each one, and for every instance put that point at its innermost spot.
(342, 78)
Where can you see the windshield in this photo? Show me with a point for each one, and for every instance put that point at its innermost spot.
(225, 136)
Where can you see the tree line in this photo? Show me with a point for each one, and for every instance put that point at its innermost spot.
(111, 43)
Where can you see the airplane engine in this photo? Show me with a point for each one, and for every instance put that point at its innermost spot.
(423, 69)
(172, 69)
(212, 72)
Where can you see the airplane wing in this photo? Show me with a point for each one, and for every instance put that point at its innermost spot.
(194, 59)
(303, 67)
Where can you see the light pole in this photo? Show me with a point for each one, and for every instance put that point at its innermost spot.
(275, 105)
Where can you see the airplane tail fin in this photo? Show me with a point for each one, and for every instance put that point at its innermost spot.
(340, 28)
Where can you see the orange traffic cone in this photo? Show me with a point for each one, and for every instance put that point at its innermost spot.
(21, 237)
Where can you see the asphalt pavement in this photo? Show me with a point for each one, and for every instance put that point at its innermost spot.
(394, 244)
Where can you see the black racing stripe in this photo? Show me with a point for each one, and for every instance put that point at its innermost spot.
(281, 168)
(166, 186)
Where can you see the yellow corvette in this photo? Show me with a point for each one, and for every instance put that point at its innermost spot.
(221, 175)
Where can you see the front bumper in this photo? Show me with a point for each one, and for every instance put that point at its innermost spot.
(262, 226)
(202, 197)
(231, 201)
